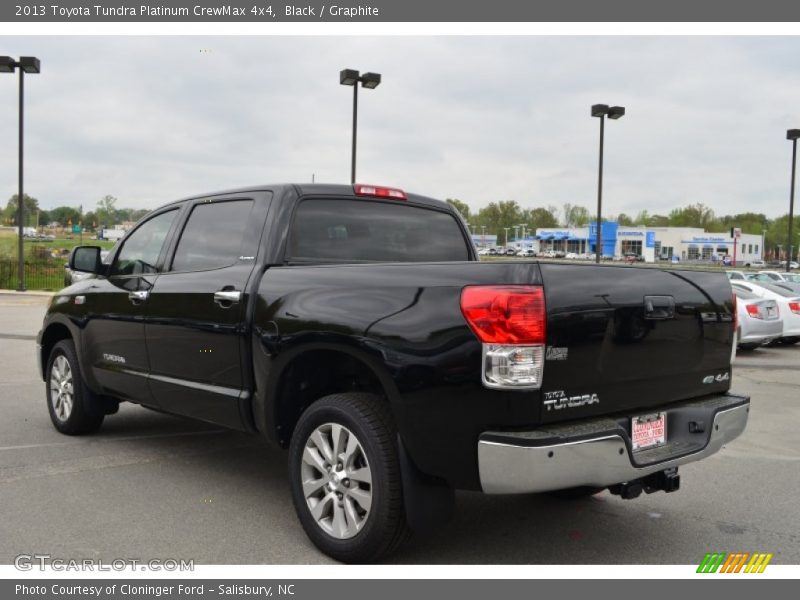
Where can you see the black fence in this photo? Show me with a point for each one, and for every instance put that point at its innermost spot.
(39, 274)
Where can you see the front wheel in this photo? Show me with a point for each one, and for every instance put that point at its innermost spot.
(345, 477)
(74, 409)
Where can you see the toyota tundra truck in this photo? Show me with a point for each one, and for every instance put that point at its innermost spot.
(355, 327)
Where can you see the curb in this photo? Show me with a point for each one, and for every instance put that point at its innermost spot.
(31, 294)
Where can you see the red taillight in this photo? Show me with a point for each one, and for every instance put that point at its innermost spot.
(754, 311)
(795, 307)
(511, 314)
(379, 192)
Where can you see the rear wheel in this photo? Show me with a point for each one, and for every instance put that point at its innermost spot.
(74, 409)
(345, 477)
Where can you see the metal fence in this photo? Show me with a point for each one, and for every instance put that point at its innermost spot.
(39, 274)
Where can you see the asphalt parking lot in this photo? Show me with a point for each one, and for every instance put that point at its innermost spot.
(150, 485)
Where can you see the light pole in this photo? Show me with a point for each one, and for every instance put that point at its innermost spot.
(483, 235)
(506, 230)
(25, 64)
(602, 111)
(793, 135)
(369, 81)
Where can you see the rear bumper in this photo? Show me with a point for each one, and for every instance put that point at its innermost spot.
(598, 452)
(760, 331)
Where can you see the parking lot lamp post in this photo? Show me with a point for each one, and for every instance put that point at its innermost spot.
(506, 230)
(612, 112)
(26, 64)
(793, 135)
(369, 81)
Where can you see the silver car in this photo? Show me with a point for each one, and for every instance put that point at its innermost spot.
(759, 320)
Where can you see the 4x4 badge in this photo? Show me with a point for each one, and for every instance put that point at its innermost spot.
(717, 378)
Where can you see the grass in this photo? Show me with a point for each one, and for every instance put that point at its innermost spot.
(8, 245)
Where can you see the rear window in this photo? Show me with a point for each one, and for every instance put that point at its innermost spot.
(328, 230)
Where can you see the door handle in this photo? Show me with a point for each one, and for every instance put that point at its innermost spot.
(227, 297)
(137, 297)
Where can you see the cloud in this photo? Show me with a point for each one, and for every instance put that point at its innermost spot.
(152, 119)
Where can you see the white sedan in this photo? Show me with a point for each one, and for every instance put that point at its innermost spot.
(788, 305)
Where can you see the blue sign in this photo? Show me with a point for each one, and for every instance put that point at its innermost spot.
(650, 242)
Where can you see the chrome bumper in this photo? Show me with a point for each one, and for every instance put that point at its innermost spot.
(598, 452)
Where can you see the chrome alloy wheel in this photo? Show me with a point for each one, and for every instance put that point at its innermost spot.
(61, 388)
(337, 480)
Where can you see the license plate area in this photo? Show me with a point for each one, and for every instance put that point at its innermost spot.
(648, 431)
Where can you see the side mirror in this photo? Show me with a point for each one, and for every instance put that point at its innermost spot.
(85, 259)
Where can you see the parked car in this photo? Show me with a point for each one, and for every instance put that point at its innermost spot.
(510, 251)
(571, 255)
(788, 305)
(394, 371)
(759, 320)
(740, 275)
(483, 252)
(527, 252)
(773, 275)
(549, 254)
(756, 264)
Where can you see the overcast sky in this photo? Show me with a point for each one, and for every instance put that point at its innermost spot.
(152, 119)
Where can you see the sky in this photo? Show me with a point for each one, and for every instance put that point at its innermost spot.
(481, 119)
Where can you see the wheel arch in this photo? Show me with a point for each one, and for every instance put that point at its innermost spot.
(302, 375)
(51, 335)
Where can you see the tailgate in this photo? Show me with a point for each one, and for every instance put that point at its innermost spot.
(622, 338)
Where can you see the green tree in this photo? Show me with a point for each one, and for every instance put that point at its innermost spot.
(65, 215)
(624, 220)
(540, 217)
(106, 211)
(576, 216)
(694, 215)
(461, 207)
(29, 208)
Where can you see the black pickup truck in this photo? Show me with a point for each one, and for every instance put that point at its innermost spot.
(355, 327)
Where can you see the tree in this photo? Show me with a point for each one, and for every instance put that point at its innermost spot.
(540, 217)
(29, 208)
(106, 211)
(694, 215)
(576, 216)
(461, 207)
(624, 220)
(64, 215)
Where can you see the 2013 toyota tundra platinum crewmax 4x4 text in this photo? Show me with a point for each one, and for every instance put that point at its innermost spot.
(355, 327)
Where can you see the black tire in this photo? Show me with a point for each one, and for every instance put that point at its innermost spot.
(749, 347)
(86, 411)
(369, 418)
(789, 341)
(576, 493)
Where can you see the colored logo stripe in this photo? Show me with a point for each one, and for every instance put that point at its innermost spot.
(734, 562)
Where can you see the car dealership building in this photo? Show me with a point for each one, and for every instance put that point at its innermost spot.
(652, 243)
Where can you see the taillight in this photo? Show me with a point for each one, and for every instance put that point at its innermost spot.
(754, 311)
(795, 307)
(511, 322)
(379, 192)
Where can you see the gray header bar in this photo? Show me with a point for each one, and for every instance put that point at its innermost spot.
(255, 11)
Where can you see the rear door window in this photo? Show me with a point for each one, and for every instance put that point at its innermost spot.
(213, 235)
(344, 230)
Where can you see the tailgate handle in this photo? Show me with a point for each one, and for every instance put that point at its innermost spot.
(659, 308)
